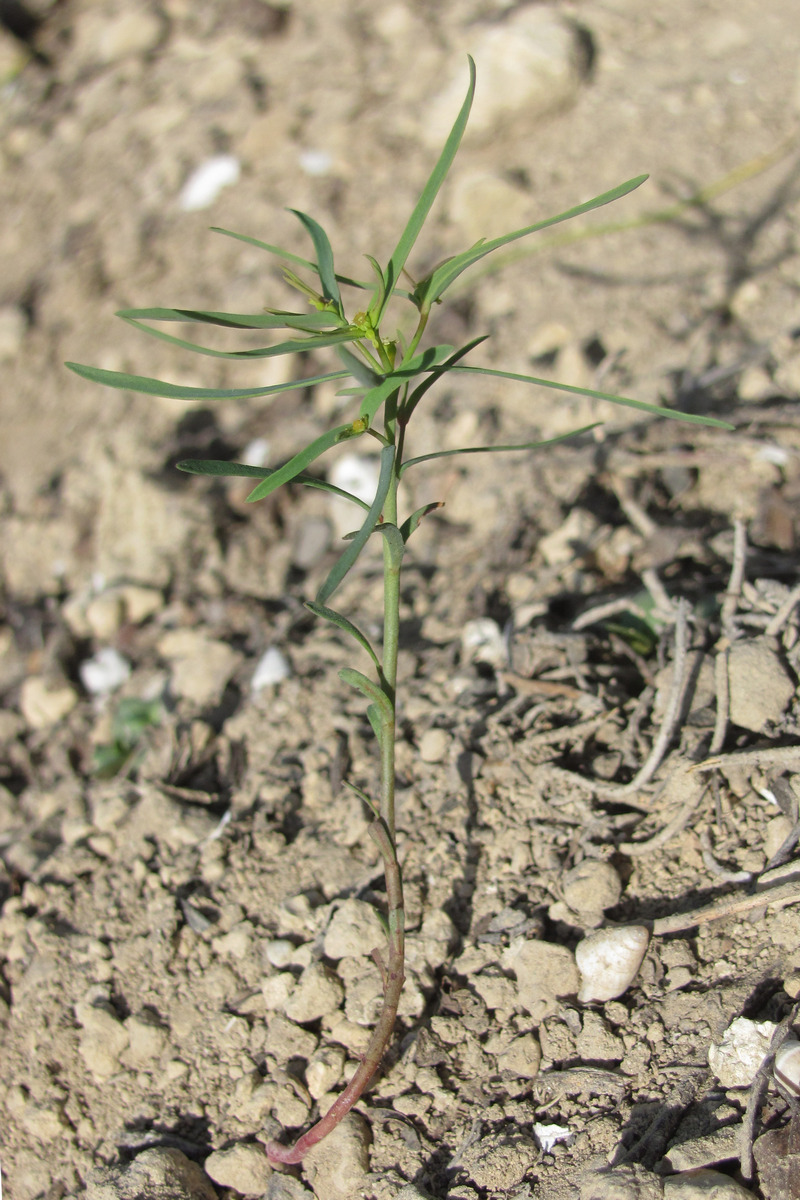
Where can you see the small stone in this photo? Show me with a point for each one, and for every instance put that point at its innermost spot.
(760, 685)
(318, 993)
(162, 1172)
(207, 181)
(544, 972)
(106, 671)
(621, 1183)
(596, 1042)
(13, 324)
(284, 1187)
(103, 1038)
(721, 1145)
(744, 1046)
(44, 702)
(485, 205)
(279, 952)
(243, 1167)
(482, 641)
(324, 1070)
(311, 542)
(776, 833)
(271, 668)
(201, 666)
(147, 1039)
(433, 746)
(706, 1185)
(108, 39)
(591, 887)
(355, 929)
(521, 1058)
(338, 1165)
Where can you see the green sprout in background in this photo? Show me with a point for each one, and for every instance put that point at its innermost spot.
(388, 377)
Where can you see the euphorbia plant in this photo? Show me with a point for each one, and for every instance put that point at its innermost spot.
(388, 378)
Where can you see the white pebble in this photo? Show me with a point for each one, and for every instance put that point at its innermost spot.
(356, 474)
(272, 667)
(482, 641)
(105, 672)
(207, 181)
(316, 162)
(744, 1046)
(609, 961)
(548, 1135)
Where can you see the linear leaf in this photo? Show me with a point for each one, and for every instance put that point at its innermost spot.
(415, 397)
(314, 341)
(271, 319)
(356, 545)
(175, 391)
(287, 257)
(410, 462)
(222, 469)
(429, 192)
(394, 539)
(329, 614)
(426, 361)
(411, 523)
(324, 251)
(655, 409)
(368, 688)
(295, 465)
(429, 290)
(380, 289)
(358, 368)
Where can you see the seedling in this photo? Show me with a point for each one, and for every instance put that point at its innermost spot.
(386, 376)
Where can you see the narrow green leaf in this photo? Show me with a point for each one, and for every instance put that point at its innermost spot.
(328, 614)
(358, 368)
(655, 409)
(295, 346)
(371, 690)
(412, 523)
(415, 397)
(287, 257)
(380, 288)
(175, 391)
(374, 718)
(362, 795)
(395, 542)
(223, 469)
(294, 466)
(356, 545)
(429, 290)
(324, 252)
(410, 462)
(426, 361)
(429, 192)
(272, 318)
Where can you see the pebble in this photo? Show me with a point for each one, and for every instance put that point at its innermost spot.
(621, 1183)
(311, 542)
(609, 961)
(338, 1165)
(243, 1167)
(482, 641)
(545, 972)
(528, 66)
(103, 1038)
(355, 929)
(318, 993)
(433, 745)
(324, 1070)
(271, 668)
(486, 205)
(100, 39)
(147, 1039)
(284, 1187)
(741, 1051)
(201, 666)
(704, 1185)
(279, 952)
(357, 474)
(591, 887)
(44, 702)
(104, 672)
(13, 324)
(207, 181)
(760, 686)
(521, 1058)
(162, 1171)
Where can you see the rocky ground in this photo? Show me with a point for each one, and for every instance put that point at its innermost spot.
(601, 643)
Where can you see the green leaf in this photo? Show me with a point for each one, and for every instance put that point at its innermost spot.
(224, 469)
(346, 560)
(295, 346)
(270, 319)
(175, 391)
(415, 397)
(412, 523)
(380, 289)
(295, 465)
(394, 540)
(410, 462)
(324, 252)
(655, 409)
(429, 290)
(371, 690)
(426, 361)
(328, 614)
(287, 257)
(423, 206)
(358, 368)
